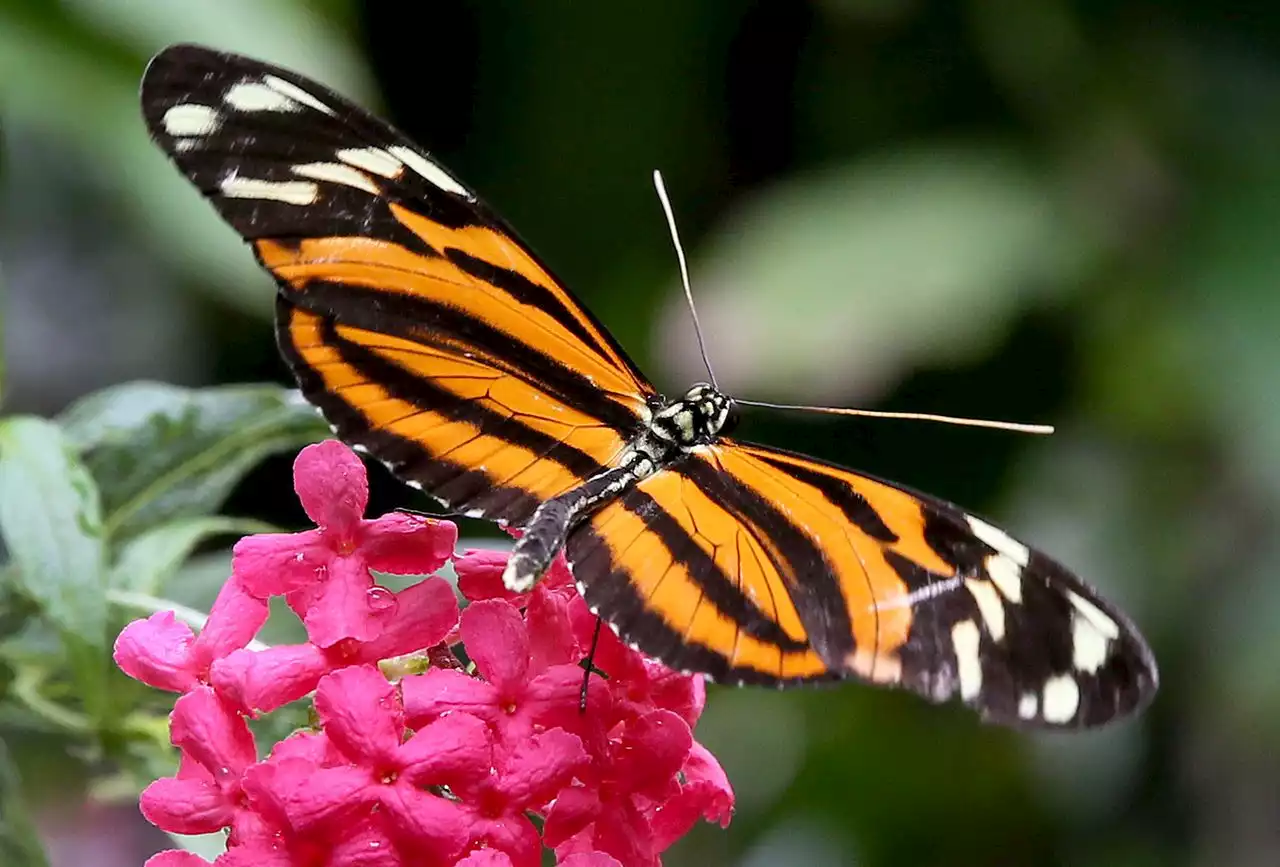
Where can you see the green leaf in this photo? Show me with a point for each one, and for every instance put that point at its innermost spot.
(151, 558)
(162, 453)
(19, 843)
(51, 520)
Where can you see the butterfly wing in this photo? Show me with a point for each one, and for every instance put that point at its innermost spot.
(417, 321)
(757, 565)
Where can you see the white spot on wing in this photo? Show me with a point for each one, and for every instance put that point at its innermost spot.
(1095, 615)
(257, 96)
(374, 160)
(292, 91)
(999, 539)
(336, 173)
(989, 606)
(289, 192)
(1006, 575)
(1061, 699)
(1088, 645)
(429, 171)
(965, 638)
(190, 119)
(1028, 705)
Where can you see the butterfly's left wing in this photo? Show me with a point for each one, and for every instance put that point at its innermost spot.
(411, 314)
(751, 564)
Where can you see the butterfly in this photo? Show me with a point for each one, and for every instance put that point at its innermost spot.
(434, 340)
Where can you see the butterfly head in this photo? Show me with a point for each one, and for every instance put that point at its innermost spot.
(703, 414)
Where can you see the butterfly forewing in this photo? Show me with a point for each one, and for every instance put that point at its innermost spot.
(760, 566)
(410, 313)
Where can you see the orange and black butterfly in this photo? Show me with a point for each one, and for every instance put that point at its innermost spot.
(431, 337)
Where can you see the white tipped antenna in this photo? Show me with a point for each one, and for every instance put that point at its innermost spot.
(684, 270)
(913, 416)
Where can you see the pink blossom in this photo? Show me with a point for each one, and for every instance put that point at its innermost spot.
(163, 652)
(260, 681)
(324, 573)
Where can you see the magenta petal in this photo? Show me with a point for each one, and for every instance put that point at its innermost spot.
(207, 729)
(233, 621)
(454, 749)
(486, 858)
(425, 614)
(333, 486)
(654, 747)
(705, 794)
(361, 714)
(428, 823)
(514, 835)
(156, 651)
(295, 794)
(272, 564)
(480, 575)
(263, 680)
(403, 544)
(338, 607)
(497, 640)
(185, 806)
(589, 859)
(428, 695)
(175, 858)
(365, 845)
(551, 638)
(574, 809)
(538, 768)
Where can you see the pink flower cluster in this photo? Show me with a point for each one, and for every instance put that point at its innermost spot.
(449, 766)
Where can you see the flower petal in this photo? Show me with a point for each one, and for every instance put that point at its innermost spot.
(514, 835)
(361, 714)
(453, 750)
(272, 564)
(425, 822)
(536, 770)
(295, 794)
(486, 858)
(333, 486)
(706, 794)
(589, 859)
(403, 544)
(428, 695)
(263, 680)
(498, 642)
(186, 806)
(175, 858)
(480, 576)
(654, 748)
(338, 607)
(157, 651)
(209, 731)
(233, 622)
(575, 808)
(551, 638)
(425, 615)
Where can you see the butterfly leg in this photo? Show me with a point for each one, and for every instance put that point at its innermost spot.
(547, 530)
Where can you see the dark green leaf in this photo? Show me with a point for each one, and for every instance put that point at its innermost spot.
(51, 520)
(161, 453)
(19, 844)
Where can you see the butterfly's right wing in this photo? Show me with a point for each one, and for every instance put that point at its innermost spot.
(422, 327)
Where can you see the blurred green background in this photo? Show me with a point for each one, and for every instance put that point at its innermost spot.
(1038, 210)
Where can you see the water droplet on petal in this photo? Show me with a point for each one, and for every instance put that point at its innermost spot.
(381, 599)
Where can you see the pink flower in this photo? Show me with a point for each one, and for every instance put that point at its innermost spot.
(324, 573)
(514, 697)
(260, 681)
(217, 747)
(163, 652)
(480, 576)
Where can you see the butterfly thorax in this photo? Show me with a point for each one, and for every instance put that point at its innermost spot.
(674, 429)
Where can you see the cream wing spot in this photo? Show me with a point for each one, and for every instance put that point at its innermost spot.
(257, 96)
(1101, 622)
(336, 173)
(1028, 706)
(965, 640)
(288, 192)
(429, 171)
(191, 119)
(374, 160)
(989, 606)
(295, 93)
(1006, 575)
(1088, 645)
(1061, 699)
(1000, 540)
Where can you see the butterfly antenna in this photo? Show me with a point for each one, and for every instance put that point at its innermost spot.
(684, 271)
(913, 416)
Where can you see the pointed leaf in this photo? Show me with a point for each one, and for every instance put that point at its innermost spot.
(51, 520)
(160, 452)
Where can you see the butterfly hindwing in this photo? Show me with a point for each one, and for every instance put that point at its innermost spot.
(423, 328)
(756, 565)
